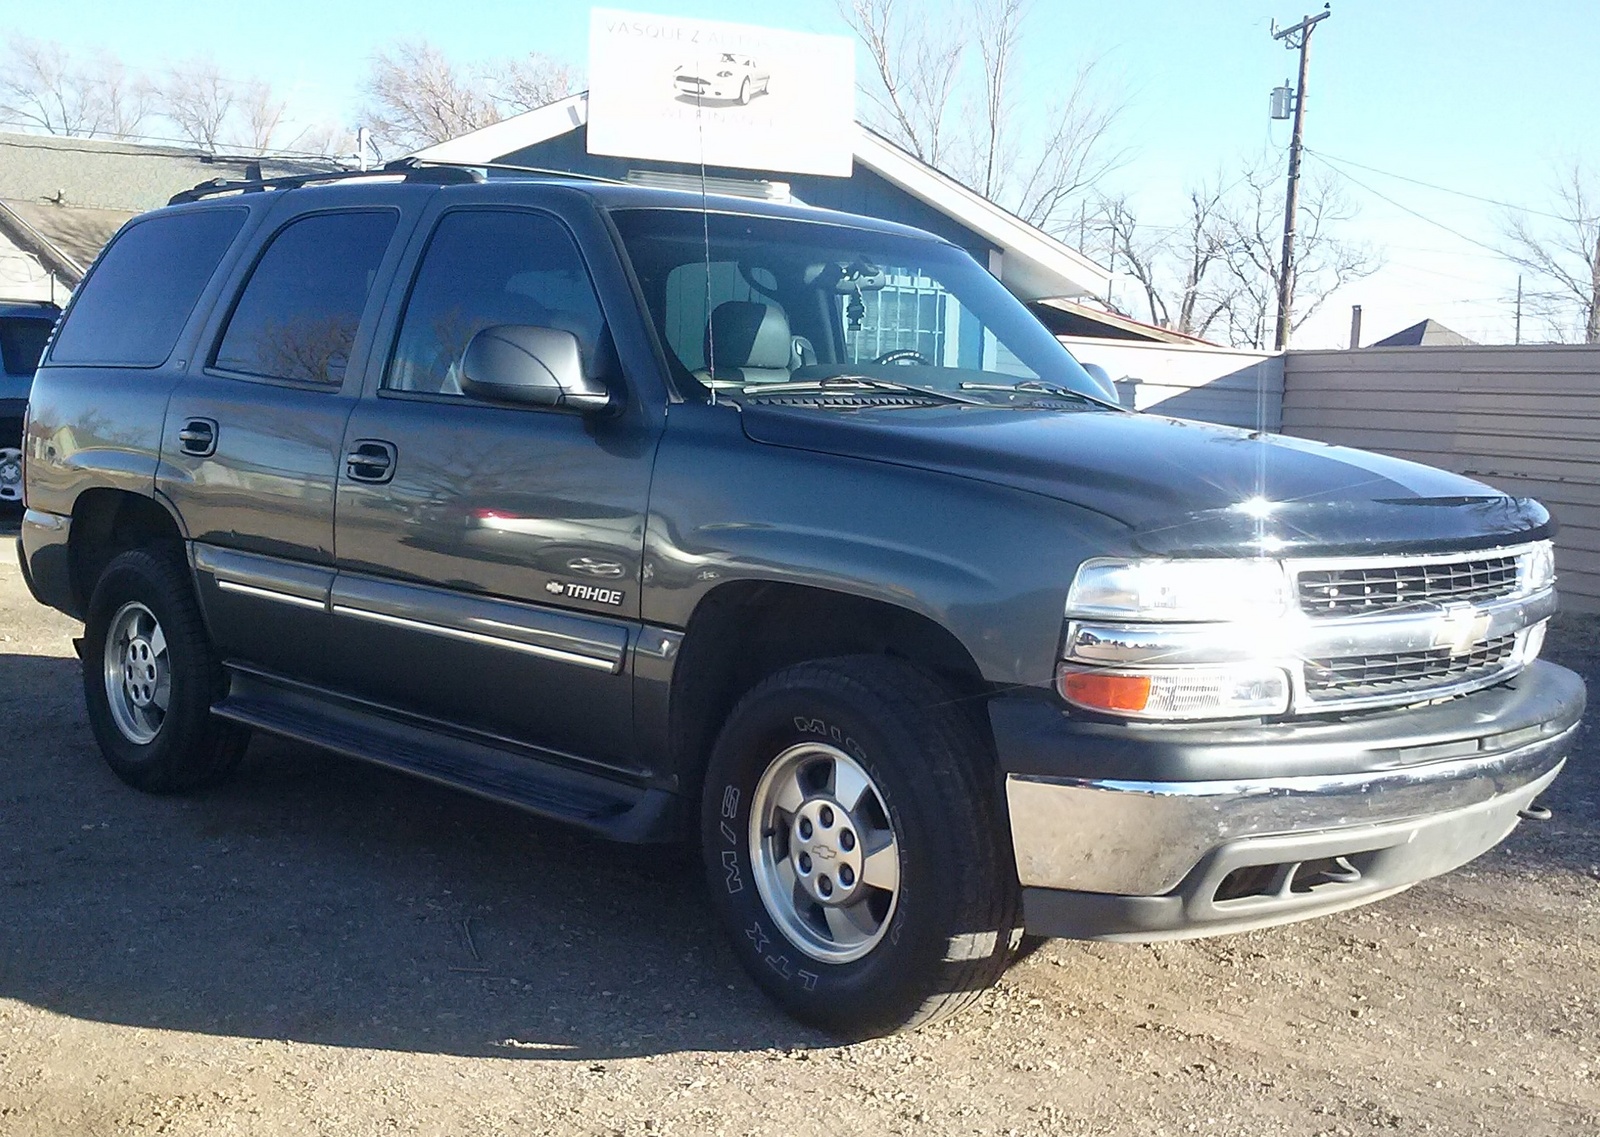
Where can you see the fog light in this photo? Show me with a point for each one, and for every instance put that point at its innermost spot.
(1234, 691)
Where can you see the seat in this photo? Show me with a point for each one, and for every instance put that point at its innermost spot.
(749, 342)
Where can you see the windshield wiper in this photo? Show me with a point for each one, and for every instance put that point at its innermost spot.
(833, 382)
(1039, 387)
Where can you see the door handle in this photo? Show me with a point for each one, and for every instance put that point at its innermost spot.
(370, 460)
(198, 437)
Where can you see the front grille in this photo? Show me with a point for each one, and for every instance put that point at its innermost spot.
(1361, 676)
(1375, 588)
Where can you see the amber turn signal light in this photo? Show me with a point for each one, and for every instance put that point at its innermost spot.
(1106, 692)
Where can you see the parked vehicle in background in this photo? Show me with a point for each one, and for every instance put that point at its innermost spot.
(784, 529)
(733, 78)
(24, 329)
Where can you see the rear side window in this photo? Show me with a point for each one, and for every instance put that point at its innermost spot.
(22, 341)
(297, 316)
(132, 308)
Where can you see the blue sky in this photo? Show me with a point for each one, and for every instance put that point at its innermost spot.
(1486, 98)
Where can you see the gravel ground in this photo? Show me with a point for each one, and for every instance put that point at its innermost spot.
(323, 947)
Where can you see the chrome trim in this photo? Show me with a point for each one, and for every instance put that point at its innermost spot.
(1295, 637)
(477, 637)
(264, 577)
(1298, 637)
(1142, 838)
(270, 594)
(551, 633)
(39, 519)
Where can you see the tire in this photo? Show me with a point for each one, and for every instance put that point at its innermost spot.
(10, 478)
(744, 93)
(845, 939)
(150, 677)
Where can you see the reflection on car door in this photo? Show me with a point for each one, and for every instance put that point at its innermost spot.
(490, 558)
(251, 445)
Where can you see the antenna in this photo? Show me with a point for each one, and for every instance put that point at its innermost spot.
(705, 229)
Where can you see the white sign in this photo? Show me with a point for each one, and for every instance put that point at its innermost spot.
(723, 94)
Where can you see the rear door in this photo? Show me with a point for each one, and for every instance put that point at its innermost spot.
(250, 449)
(490, 553)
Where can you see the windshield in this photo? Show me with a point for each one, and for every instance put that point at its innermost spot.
(773, 300)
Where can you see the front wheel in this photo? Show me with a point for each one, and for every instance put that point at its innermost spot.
(854, 847)
(744, 93)
(150, 677)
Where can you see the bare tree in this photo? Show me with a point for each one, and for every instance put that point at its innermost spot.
(44, 88)
(261, 114)
(1214, 273)
(1178, 267)
(1251, 252)
(125, 99)
(416, 96)
(199, 101)
(944, 86)
(529, 82)
(1563, 249)
(916, 62)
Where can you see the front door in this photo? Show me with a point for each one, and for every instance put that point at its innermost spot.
(490, 553)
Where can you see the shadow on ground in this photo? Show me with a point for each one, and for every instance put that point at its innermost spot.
(323, 900)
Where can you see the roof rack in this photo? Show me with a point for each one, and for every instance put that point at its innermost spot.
(410, 168)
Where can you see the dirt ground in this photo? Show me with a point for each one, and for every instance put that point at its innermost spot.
(323, 947)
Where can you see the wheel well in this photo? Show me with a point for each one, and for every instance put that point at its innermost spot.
(108, 522)
(744, 631)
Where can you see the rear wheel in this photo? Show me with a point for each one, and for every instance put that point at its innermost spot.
(150, 677)
(854, 848)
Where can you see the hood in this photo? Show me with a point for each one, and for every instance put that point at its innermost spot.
(1180, 486)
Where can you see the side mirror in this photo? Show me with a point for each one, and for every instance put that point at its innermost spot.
(541, 367)
(1102, 377)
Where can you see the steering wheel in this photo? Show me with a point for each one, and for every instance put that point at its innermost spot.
(903, 355)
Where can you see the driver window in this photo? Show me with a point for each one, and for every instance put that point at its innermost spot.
(488, 267)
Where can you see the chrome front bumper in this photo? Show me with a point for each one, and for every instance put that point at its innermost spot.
(1215, 830)
(1144, 838)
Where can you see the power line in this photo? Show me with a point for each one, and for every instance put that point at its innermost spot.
(1331, 160)
(1407, 209)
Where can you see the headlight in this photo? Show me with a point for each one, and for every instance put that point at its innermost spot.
(1235, 690)
(1194, 591)
(1538, 567)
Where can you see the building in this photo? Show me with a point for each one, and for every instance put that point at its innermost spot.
(61, 199)
(1429, 333)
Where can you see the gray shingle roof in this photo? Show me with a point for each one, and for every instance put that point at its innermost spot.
(1429, 333)
(126, 176)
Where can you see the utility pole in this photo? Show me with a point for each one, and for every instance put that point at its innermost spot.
(1297, 37)
(1518, 338)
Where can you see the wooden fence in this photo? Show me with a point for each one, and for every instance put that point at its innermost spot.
(1523, 419)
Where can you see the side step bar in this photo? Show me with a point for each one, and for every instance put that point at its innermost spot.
(520, 777)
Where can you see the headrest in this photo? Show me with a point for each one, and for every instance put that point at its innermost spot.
(748, 333)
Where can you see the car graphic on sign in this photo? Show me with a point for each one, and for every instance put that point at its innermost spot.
(731, 78)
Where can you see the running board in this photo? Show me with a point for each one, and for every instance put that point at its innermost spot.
(519, 777)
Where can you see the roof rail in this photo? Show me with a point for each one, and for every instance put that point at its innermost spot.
(409, 168)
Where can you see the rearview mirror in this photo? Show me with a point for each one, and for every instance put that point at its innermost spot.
(541, 367)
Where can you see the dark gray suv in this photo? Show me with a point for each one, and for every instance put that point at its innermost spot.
(786, 531)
